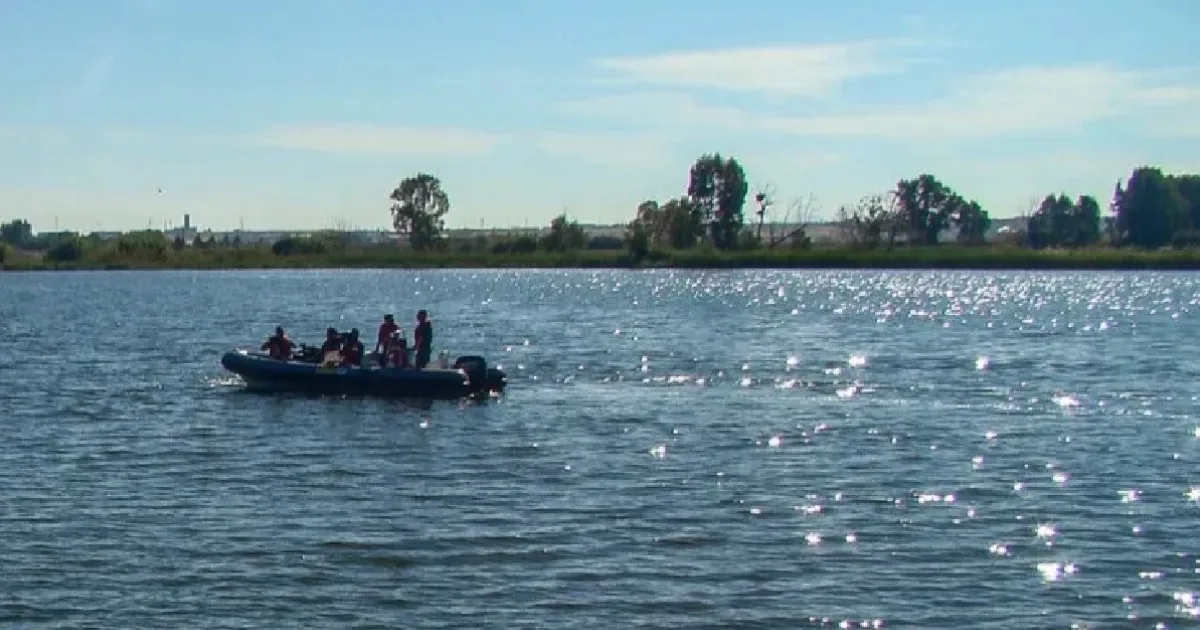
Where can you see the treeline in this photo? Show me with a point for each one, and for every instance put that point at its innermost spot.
(17, 238)
(151, 248)
(1149, 210)
(712, 212)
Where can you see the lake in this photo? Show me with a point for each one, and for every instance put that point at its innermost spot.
(676, 449)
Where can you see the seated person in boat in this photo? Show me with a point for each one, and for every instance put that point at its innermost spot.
(397, 348)
(386, 330)
(331, 350)
(423, 339)
(352, 350)
(278, 346)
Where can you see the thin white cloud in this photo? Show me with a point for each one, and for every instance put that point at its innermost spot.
(1013, 101)
(624, 150)
(797, 70)
(1182, 106)
(383, 140)
(1007, 102)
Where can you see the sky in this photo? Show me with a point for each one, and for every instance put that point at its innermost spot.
(305, 114)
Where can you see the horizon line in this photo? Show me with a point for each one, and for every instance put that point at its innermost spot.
(448, 230)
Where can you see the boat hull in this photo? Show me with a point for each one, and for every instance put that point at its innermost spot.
(264, 374)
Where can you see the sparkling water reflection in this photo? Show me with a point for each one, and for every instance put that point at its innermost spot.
(677, 449)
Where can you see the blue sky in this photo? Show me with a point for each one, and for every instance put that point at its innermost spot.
(306, 113)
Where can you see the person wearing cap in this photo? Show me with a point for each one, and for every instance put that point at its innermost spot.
(387, 330)
(278, 345)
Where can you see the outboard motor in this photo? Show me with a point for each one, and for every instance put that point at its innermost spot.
(496, 379)
(476, 370)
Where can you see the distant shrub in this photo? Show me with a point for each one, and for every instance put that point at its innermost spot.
(69, 250)
(1183, 240)
(519, 245)
(304, 246)
(606, 242)
(145, 244)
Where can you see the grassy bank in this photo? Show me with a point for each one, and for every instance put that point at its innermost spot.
(942, 257)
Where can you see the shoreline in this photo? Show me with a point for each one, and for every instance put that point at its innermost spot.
(947, 257)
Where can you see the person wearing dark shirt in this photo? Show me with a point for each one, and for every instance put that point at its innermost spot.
(423, 339)
(332, 347)
(352, 349)
(333, 341)
(278, 346)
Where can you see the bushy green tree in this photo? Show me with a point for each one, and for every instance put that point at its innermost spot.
(718, 188)
(1149, 209)
(67, 250)
(637, 240)
(144, 244)
(420, 205)
(1061, 222)
(565, 234)
(929, 206)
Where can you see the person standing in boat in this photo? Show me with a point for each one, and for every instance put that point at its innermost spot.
(387, 329)
(422, 339)
(278, 346)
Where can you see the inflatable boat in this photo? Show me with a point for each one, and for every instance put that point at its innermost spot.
(469, 377)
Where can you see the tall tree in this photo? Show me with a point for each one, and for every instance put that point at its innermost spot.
(419, 208)
(972, 221)
(1149, 209)
(651, 216)
(1087, 221)
(1061, 222)
(636, 240)
(927, 206)
(684, 222)
(718, 186)
(1189, 189)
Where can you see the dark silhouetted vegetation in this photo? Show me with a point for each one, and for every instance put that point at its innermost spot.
(1153, 223)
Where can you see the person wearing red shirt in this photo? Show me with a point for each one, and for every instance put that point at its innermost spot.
(278, 345)
(352, 350)
(387, 328)
(398, 351)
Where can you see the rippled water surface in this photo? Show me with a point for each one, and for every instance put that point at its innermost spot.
(676, 450)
